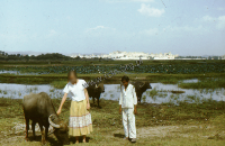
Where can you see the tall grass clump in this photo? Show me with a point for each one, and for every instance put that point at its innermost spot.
(205, 84)
(59, 84)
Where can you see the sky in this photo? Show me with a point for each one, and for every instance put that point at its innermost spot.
(184, 27)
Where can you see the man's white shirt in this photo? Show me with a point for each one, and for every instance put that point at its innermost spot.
(128, 97)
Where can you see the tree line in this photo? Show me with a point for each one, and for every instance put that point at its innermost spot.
(42, 57)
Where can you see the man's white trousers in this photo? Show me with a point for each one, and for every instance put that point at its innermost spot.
(129, 123)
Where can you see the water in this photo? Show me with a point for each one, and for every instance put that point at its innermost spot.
(8, 72)
(15, 72)
(18, 91)
(163, 94)
(190, 81)
(166, 96)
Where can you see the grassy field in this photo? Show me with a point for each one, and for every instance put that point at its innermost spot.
(205, 84)
(196, 124)
(184, 124)
(87, 67)
(105, 62)
(209, 81)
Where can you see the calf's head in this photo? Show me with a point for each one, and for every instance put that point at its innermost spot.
(60, 129)
(101, 88)
(140, 88)
(96, 88)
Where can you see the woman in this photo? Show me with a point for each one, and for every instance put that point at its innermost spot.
(80, 118)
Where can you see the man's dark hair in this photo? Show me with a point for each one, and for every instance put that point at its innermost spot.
(72, 72)
(125, 78)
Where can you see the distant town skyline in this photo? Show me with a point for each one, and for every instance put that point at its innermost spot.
(194, 28)
(30, 53)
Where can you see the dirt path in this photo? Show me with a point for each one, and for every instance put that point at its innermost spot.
(173, 131)
(17, 133)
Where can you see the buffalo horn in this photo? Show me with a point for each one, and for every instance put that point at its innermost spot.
(52, 123)
(143, 85)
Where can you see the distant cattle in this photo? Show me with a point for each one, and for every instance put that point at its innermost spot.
(95, 91)
(39, 108)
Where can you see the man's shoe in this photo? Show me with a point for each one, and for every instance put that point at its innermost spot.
(133, 140)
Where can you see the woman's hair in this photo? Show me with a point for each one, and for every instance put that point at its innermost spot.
(72, 72)
(125, 78)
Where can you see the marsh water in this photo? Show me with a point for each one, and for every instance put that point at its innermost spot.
(7, 72)
(15, 72)
(160, 93)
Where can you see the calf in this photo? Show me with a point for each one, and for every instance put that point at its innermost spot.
(140, 88)
(95, 91)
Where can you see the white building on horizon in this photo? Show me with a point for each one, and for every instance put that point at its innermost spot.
(119, 55)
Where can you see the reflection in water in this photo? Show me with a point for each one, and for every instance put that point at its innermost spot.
(7, 72)
(16, 72)
(190, 81)
(159, 94)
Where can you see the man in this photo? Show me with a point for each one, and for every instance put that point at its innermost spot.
(128, 108)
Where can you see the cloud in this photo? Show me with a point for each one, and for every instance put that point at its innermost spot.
(150, 32)
(221, 9)
(219, 21)
(174, 31)
(150, 11)
(184, 29)
(208, 18)
(68, 17)
(51, 33)
(98, 28)
(100, 31)
(14, 37)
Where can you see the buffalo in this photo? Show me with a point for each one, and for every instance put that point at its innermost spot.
(95, 91)
(140, 88)
(39, 108)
